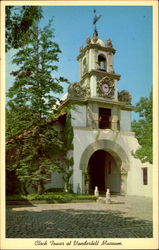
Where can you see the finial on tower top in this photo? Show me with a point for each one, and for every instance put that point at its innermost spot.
(95, 20)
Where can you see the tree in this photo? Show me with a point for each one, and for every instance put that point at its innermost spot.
(19, 20)
(143, 129)
(68, 142)
(124, 96)
(32, 109)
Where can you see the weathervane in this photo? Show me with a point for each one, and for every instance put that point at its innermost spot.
(95, 20)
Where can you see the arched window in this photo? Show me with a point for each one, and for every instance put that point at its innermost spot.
(102, 62)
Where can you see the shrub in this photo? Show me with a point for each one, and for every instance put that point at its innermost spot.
(55, 197)
(54, 190)
(16, 197)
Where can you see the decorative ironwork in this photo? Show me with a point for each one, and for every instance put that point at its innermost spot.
(95, 20)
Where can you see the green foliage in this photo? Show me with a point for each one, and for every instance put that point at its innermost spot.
(33, 140)
(34, 83)
(67, 167)
(16, 197)
(19, 20)
(13, 185)
(143, 129)
(57, 197)
(33, 155)
(68, 132)
(124, 96)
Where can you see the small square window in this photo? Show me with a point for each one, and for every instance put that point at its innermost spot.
(145, 176)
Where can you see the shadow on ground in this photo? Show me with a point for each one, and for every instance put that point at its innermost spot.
(25, 203)
(72, 223)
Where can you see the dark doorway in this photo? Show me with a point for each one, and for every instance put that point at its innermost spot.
(96, 171)
(103, 172)
(104, 118)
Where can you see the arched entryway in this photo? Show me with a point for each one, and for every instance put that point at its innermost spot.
(103, 172)
(108, 153)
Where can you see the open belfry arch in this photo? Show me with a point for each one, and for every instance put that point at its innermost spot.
(101, 119)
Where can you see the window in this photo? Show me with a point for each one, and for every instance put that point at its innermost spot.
(145, 176)
(104, 118)
(102, 62)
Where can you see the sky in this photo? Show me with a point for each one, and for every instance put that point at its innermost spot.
(129, 28)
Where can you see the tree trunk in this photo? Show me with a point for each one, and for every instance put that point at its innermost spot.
(40, 187)
(24, 189)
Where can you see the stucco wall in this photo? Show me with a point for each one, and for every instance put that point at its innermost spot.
(78, 116)
(135, 184)
(135, 179)
(125, 120)
(126, 140)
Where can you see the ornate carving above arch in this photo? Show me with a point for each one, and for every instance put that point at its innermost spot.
(111, 147)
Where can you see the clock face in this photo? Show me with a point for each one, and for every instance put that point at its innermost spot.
(105, 88)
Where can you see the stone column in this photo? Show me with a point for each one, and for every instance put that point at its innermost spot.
(123, 190)
(109, 61)
(114, 122)
(114, 125)
(83, 182)
(93, 85)
(116, 90)
(91, 59)
(96, 65)
(85, 185)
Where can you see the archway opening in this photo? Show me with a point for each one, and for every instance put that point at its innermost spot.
(103, 172)
(102, 62)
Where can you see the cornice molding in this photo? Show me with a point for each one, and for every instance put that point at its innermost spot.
(94, 46)
(99, 100)
(100, 73)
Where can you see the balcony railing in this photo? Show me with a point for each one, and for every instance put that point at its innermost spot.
(105, 125)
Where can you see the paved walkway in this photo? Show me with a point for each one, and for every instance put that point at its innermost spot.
(127, 217)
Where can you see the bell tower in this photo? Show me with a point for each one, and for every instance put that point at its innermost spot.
(101, 121)
(96, 67)
(97, 91)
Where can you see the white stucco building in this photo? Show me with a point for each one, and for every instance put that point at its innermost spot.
(103, 140)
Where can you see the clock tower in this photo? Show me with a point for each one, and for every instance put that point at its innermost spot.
(96, 68)
(98, 86)
(101, 119)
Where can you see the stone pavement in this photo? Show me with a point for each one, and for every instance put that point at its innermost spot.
(127, 217)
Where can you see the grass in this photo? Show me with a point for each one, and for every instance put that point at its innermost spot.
(55, 197)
